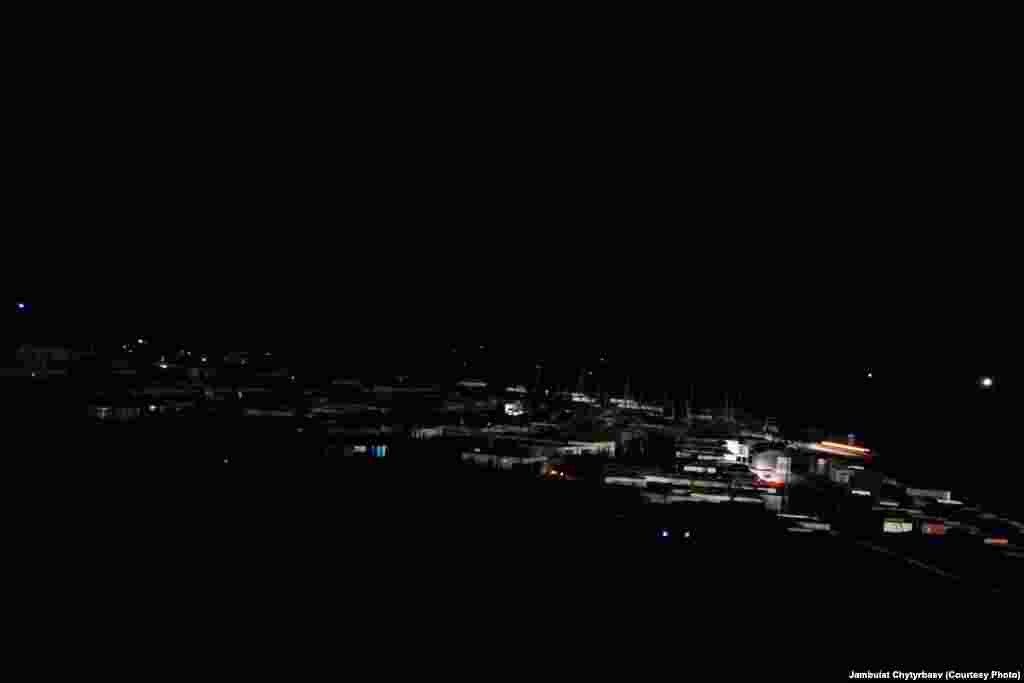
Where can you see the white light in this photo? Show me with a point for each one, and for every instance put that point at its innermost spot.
(871, 375)
(860, 492)
(152, 409)
(141, 341)
(986, 382)
(664, 534)
(164, 366)
(21, 306)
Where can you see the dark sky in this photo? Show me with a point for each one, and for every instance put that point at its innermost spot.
(630, 200)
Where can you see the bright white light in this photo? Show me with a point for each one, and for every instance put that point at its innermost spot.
(203, 359)
(686, 535)
(21, 306)
(860, 492)
(141, 341)
(986, 382)
(164, 366)
(871, 375)
(664, 534)
(152, 409)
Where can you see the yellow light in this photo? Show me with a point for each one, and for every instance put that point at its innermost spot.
(832, 444)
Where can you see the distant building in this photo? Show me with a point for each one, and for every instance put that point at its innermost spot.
(385, 391)
(632, 404)
(514, 409)
(606, 448)
(936, 494)
(115, 411)
(507, 461)
(423, 433)
(737, 451)
(47, 358)
(578, 397)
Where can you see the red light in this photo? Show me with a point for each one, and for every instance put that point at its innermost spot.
(997, 541)
(761, 481)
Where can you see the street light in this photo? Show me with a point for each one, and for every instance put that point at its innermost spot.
(987, 382)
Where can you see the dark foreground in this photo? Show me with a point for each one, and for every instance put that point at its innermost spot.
(461, 571)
